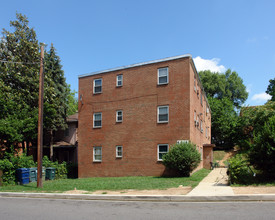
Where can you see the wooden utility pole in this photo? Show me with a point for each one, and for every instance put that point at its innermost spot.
(40, 121)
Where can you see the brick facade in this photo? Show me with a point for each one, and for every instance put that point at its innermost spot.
(139, 133)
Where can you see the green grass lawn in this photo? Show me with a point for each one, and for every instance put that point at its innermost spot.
(110, 183)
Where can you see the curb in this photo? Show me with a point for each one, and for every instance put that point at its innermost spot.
(149, 198)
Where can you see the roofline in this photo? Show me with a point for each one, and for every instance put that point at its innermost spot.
(136, 65)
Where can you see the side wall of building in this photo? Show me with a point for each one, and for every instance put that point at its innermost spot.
(139, 134)
(200, 115)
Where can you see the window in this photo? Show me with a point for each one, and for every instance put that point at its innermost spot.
(201, 127)
(119, 116)
(206, 131)
(97, 86)
(97, 154)
(162, 149)
(201, 99)
(119, 151)
(119, 80)
(163, 114)
(195, 118)
(163, 76)
(97, 120)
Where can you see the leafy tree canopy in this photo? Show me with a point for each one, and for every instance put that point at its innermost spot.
(271, 89)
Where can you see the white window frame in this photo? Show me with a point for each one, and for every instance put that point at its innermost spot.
(117, 80)
(201, 127)
(160, 159)
(117, 151)
(163, 76)
(94, 126)
(162, 106)
(97, 86)
(195, 83)
(94, 154)
(117, 120)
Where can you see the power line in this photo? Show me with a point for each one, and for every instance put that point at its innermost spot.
(5, 61)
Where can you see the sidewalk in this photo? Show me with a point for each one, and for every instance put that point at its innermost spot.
(215, 184)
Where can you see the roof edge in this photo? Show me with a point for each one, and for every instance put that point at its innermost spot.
(136, 65)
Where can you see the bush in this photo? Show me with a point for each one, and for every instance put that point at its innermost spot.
(262, 150)
(60, 169)
(239, 171)
(11, 163)
(183, 158)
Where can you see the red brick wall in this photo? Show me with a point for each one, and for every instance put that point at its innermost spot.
(139, 133)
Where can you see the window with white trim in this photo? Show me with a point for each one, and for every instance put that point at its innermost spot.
(163, 114)
(119, 151)
(97, 154)
(119, 116)
(195, 83)
(162, 149)
(97, 86)
(201, 127)
(163, 76)
(119, 80)
(97, 120)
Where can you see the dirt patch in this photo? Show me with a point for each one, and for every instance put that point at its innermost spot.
(181, 190)
(254, 190)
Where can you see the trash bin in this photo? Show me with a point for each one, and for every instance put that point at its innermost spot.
(23, 175)
(50, 173)
(43, 174)
(33, 174)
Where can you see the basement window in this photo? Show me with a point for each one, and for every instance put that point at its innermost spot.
(162, 150)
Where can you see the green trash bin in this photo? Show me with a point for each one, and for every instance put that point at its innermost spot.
(33, 174)
(50, 173)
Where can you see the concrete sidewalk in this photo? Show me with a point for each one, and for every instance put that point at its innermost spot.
(215, 184)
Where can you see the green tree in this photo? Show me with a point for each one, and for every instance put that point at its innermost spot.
(19, 81)
(271, 89)
(56, 94)
(226, 93)
(72, 103)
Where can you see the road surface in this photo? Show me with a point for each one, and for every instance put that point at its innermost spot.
(49, 209)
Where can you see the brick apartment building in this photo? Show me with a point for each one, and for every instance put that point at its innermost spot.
(130, 116)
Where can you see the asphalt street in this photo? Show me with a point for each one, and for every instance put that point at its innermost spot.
(29, 208)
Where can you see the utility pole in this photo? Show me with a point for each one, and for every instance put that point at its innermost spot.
(40, 121)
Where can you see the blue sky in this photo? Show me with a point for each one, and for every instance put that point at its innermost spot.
(102, 34)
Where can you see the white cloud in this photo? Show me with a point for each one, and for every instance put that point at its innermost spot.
(261, 97)
(212, 65)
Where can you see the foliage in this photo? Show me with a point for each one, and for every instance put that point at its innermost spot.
(112, 183)
(19, 82)
(271, 89)
(60, 169)
(13, 161)
(225, 93)
(262, 150)
(224, 120)
(251, 121)
(72, 103)
(228, 85)
(239, 171)
(183, 158)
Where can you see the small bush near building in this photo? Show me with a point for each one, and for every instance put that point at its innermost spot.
(183, 158)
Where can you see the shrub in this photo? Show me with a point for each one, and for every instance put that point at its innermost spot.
(60, 169)
(183, 158)
(239, 171)
(11, 163)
